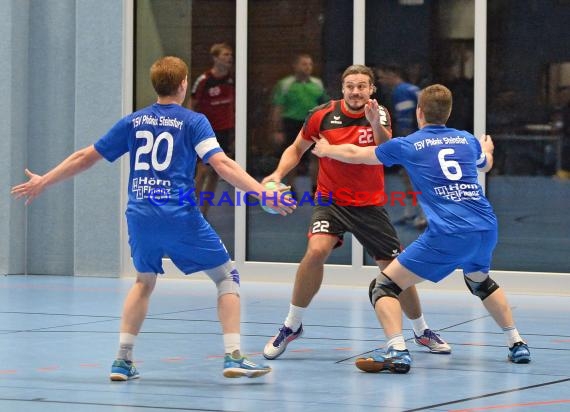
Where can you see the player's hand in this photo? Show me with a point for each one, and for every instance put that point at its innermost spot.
(284, 205)
(321, 146)
(372, 111)
(29, 190)
(273, 177)
(487, 143)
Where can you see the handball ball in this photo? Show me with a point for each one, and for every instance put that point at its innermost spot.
(272, 186)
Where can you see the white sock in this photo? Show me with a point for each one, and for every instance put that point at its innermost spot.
(295, 317)
(396, 341)
(126, 344)
(419, 325)
(512, 335)
(231, 342)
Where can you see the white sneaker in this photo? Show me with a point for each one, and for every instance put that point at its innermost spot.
(277, 344)
(432, 341)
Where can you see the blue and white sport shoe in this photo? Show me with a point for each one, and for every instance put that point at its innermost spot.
(519, 353)
(277, 344)
(237, 368)
(123, 370)
(395, 361)
(433, 342)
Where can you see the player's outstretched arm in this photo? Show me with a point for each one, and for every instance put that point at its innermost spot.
(347, 153)
(487, 147)
(76, 163)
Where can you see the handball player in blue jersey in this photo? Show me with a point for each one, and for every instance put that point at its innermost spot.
(462, 228)
(163, 216)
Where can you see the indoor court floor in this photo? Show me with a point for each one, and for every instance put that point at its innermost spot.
(58, 338)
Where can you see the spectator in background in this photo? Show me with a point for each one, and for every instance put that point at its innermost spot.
(418, 74)
(293, 97)
(213, 94)
(404, 99)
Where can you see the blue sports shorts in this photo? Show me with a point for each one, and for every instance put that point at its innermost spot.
(434, 256)
(190, 243)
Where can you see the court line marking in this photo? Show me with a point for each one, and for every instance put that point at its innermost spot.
(170, 408)
(487, 395)
(522, 404)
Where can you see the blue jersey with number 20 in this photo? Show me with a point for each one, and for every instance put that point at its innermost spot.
(163, 141)
(442, 164)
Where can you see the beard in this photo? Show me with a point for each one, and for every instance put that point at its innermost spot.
(355, 108)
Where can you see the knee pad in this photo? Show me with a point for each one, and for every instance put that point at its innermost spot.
(226, 278)
(480, 287)
(381, 287)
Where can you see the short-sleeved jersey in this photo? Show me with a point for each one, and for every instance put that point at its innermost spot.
(349, 184)
(405, 100)
(163, 141)
(442, 164)
(297, 98)
(215, 98)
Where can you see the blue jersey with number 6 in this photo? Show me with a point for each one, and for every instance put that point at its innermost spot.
(163, 141)
(442, 164)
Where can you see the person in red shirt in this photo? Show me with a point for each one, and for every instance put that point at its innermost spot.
(348, 199)
(213, 94)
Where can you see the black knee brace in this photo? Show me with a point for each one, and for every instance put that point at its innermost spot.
(481, 289)
(381, 287)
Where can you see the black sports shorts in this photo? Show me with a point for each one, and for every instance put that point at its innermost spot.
(369, 224)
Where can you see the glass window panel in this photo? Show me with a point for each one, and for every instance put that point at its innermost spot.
(528, 115)
(429, 42)
(188, 29)
(278, 31)
(213, 23)
(159, 31)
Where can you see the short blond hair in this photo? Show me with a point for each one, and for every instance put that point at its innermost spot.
(167, 74)
(436, 102)
(217, 49)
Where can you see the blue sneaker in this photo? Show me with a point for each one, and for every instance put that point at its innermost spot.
(395, 361)
(519, 353)
(432, 341)
(277, 344)
(236, 368)
(123, 370)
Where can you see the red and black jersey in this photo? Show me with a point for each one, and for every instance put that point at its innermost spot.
(215, 98)
(349, 184)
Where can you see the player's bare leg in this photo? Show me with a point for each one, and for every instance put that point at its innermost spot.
(309, 275)
(498, 307)
(308, 281)
(236, 365)
(134, 313)
(136, 303)
(229, 313)
(411, 306)
(396, 357)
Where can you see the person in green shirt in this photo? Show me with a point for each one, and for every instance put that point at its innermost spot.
(293, 97)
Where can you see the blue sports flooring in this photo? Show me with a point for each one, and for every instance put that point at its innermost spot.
(58, 338)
